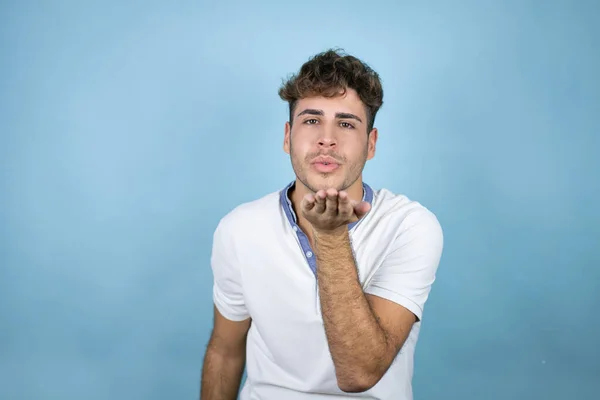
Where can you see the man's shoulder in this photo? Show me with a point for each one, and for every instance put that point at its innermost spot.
(251, 213)
(402, 210)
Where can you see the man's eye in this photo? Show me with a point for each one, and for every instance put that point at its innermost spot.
(311, 121)
(347, 125)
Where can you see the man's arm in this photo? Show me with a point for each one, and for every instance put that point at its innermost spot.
(225, 359)
(226, 351)
(365, 332)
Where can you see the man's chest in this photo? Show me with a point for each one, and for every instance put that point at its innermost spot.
(279, 275)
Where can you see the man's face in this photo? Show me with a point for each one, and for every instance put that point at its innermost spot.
(328, 142)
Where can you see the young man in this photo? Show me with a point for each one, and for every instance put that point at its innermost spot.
(319, 289)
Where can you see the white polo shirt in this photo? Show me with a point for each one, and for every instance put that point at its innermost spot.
(264, 269)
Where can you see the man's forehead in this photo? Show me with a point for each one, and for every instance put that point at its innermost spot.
(332, 105)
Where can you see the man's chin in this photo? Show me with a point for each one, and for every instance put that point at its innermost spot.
(316, 184)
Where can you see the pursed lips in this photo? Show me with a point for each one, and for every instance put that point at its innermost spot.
(325, 164)
(325, 160)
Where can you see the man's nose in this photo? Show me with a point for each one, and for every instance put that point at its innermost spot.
(327, 139)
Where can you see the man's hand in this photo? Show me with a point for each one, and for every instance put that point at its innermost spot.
(328, 211)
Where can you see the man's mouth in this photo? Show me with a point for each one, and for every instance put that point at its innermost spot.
(325, 166)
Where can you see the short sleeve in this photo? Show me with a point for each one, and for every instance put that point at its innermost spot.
(408, 271)
(228, 293)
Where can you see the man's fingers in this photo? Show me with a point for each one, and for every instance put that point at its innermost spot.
(320, 201)
(330, 206)
(308, 203)
(344, 205)
(331, 203)
(361, 208)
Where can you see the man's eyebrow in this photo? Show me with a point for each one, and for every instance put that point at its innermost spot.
(347, 116)
(313, 111)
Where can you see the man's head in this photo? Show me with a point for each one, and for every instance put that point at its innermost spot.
(333, 101)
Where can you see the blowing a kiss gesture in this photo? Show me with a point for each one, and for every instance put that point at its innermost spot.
(329, 211)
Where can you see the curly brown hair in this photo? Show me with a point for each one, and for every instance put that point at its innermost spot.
(329, 74)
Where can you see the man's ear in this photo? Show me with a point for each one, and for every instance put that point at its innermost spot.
(286, 137)
(372, 142)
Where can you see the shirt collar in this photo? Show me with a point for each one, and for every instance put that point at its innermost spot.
(286, 203)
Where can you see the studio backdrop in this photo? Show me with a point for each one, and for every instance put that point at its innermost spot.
(128, 129)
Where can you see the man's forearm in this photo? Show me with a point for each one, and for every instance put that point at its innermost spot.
(357, 343)
(221, 375)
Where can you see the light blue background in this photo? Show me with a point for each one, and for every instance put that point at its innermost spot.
(128, 130)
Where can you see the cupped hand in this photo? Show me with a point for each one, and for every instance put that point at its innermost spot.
(329, 210)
